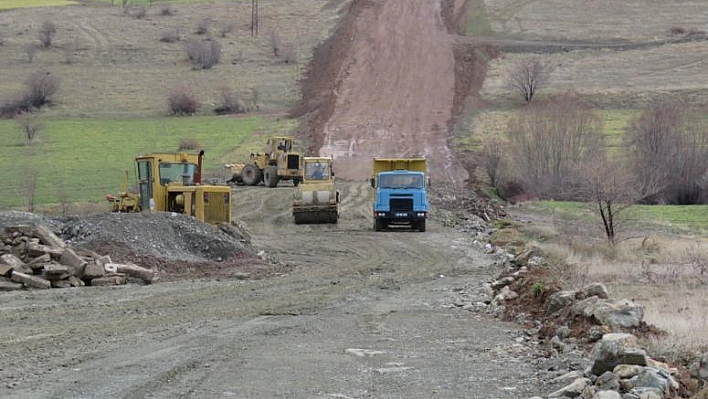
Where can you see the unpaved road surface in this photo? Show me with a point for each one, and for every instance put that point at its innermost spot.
(359, 314)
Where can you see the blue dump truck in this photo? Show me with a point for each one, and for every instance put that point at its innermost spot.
(400, 193)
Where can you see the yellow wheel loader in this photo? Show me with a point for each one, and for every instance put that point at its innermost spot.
(281, 160)
(316, 199)
(172, 182)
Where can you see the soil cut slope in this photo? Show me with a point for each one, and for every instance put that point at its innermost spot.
(391, 70)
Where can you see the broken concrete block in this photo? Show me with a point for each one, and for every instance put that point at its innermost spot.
(47, 236)
(72, 259)
(93, 270)
(8, 285)
(30, 281)
(108, 280)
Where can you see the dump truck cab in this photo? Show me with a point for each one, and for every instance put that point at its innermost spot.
(400, 196)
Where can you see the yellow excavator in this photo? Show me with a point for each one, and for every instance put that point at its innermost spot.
(172, 182)
(316, 199)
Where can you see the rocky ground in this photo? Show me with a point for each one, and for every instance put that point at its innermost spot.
(274, 309)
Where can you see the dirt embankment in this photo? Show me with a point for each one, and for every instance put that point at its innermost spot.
(392, 81)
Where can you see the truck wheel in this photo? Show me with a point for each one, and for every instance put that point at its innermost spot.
(270, 176)
(378, 224)
(421, 226)
(251, 175)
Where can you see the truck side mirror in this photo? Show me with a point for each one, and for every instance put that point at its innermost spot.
(373, 182)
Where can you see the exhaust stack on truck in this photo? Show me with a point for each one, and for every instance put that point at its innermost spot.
(400, 197)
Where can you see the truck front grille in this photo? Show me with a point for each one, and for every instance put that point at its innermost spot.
(401, 204)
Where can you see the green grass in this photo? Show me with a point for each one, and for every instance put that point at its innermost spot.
(82, 160)
(615, 123)
(693, 218)
(11, 4)
(477, 19)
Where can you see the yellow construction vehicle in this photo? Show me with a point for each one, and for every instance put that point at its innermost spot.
(171, 182)
(317, 199)
(281, 160)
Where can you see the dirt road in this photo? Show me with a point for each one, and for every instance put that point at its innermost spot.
(361, 314)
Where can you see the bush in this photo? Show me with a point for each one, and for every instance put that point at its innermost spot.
(203, 55)
(181, 101)
(46, 33)
(170, 36)
(231, 103)
(41, 88)
(203, 26)
(188, 144)
(226, 29)
(140, 12)
(166, 11)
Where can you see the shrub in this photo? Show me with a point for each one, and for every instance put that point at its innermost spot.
(166, 11)
(203, 55)
(140, 12)
(46, 33)
(203, 26)
(181, 101)
(188, 144)
(41, 88)
(170, 36)
(231, 103)
(226, 29)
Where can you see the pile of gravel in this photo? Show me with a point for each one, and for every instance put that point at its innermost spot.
(163, 235)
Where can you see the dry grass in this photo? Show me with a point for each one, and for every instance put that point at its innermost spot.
(121, 68)
(665, 272)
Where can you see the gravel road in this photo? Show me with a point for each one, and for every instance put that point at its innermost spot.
(359, 314)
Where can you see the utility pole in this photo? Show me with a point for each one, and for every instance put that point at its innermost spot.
(254, 17)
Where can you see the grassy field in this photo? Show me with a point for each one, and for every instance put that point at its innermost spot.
(81, 160)
(115, 75)
(11, 4)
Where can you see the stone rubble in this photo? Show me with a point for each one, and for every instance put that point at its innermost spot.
(34, 256)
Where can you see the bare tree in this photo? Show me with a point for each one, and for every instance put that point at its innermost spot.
(29, 126)
(492, 158)
(609, 187)
(669, 149)
(30, 187)
(46, 33)
(528, 76)
(548, 138)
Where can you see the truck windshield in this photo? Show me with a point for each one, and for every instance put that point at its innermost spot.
(401, 181)
(182, 173)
